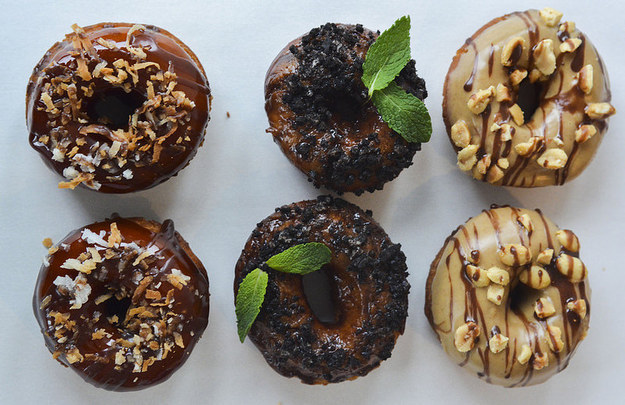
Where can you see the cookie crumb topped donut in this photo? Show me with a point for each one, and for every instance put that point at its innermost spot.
(320, 115)
(508, 296)
(117, 107)
(122, 302)
(526, 101)
(368, 279)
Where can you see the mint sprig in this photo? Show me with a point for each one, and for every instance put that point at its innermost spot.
(387, 56)
(299, 259)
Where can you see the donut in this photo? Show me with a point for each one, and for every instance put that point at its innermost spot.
(508, 296)
(122, 302)
(367, 277)
(526, 101)
(117, 107)
(320, 115)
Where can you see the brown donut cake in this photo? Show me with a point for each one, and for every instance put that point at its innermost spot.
(117, 107)
(320, 115)
(122, 302)
(526, 101)
(508, 296)
(367, 275)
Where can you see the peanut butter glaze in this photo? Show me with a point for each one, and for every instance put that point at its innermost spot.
(160, 79)
(546, 147)
(122, 302)
(320, 115)
(368, 276)
(544, 307)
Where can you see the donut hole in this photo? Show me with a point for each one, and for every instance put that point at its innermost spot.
(529, 96)
(117, 307)
(320, 291)
(522, 296)
(113, 107)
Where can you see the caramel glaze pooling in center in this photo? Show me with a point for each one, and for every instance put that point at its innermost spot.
(562, 110)
(453, 299)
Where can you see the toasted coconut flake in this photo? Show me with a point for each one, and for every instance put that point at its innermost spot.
(115, 237)
(81, 178)
(178, 340)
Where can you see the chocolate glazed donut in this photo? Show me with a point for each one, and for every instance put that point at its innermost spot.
(370, 293)
(508, 296)
(320, 116)
(122, 302)
(117, 107)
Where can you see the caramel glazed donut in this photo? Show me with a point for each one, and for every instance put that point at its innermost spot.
(508, 298)
(122, 302)
(368, 282)
(117, 107)
(320, 115)
(526, 59)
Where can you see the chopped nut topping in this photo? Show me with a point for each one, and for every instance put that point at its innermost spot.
(478, 101)
(514, 254)
(572, 267)
(599, 111)
(570, 45)
(567, 26)
(483, 164)
(584, 133)
(517, 76)
(503, 93)
(541, 360)
(555, 338)
(466, 336)
(577, 306)
(585, 79)
(498, 343)
(525, 222)
(517, 114)
(467, 158)
(544, 308)
(512, 51)
(477, 276)
(460, 135)
(506, 132)
(553, 159)
(495, 293)
(525, 355)
(550, 16)
(498, 276)
(536, 277)
(503, 163)
(544, 57)
(535, 76)
(545, 256)
(494, 174)
(568, 240)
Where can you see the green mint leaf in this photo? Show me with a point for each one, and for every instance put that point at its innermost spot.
(387, 56)
(250, 297)
(404, 113)
(301, 259)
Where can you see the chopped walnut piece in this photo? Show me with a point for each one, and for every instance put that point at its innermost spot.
(517, 76)
(555, 338)
(553, 159)
(512, 51)
(525, 355)
(599, 111)
(584, 133)
(544, 57)
(550, 16)
(495, 293)
(466, 336)
(498, 276)
(572, 267)
(478, 101)
(545, 256)
(477, 276)
(543, 308)
(517, 114)
(514, 254)
(498, 343)
(541, 360)
(503, 93)
(568, 240)
(536, 277)
(577, 306)
(570, 45)
(460, 135)
(467, 158)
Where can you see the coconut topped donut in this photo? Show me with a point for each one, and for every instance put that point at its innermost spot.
(117, 107)
(526, 101)
(508, 296)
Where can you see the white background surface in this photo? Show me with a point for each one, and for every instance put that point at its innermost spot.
(240, 176)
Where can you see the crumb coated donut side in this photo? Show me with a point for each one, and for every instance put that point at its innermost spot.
(515, 64)
(320, 115)
(122, 302)
(508, 296)
(368, 273)
(117, 107)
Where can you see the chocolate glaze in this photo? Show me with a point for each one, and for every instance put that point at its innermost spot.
(179, 311)
(368, 273)
(167, 132)
(452, 299)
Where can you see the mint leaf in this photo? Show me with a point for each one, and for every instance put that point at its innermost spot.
(387, 56)
(301, 259)
(404, 113)
(250, 297)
